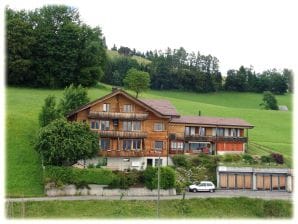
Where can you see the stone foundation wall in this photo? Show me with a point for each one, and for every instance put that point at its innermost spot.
(100, 190)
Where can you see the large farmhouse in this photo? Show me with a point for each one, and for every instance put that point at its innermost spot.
(133, 132)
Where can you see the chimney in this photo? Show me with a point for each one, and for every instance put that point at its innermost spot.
(114, 88)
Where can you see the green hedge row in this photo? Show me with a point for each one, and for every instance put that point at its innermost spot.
(70, 175)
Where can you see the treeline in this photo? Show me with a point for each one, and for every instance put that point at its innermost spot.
(51, 47)
(172, 69)
(246, 80)
(178, 69)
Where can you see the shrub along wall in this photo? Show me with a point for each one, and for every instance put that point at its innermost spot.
(70, 175)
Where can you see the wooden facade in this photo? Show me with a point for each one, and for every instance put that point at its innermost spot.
(129, 127)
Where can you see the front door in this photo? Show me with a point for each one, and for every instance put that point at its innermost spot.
(149, 162)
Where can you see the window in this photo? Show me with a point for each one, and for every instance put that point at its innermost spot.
(94, 124)
(106, 107)
(104, 125)
(156, 162)
(234, 132)
(220, 131)
(158, 145)
(131, 125)
(136, 144)
(202, 131)
(190, 130)
(158, 126)
(127, 108)
(104, 144)
(126, 144)
(176, 145)
(132, 144)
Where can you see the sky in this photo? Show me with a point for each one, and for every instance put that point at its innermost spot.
(254, 33)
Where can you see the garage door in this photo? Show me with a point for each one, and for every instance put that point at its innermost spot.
(223, 179)
(231, 181)
(271, 182)
(240, 181)
(247, 180)
(235, 181)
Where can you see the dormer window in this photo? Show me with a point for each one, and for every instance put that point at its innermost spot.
(127, 108)
(106, 107)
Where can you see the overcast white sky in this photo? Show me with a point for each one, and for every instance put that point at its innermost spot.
(259, 33)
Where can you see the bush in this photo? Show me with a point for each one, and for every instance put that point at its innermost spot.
(180, 160)
(70, 175)
(124, 180)
(64, 143)
(167, 178)
(278, 158)
(90, 166)
(266, 159)
(231, 157)
(248, 158)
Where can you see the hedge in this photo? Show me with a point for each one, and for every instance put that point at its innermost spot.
(167, 177)
(70, 175)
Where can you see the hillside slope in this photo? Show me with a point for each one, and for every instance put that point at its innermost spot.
(273, 129)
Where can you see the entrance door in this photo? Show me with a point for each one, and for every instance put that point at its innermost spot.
(149, 162)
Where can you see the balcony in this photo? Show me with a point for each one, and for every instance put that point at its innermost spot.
(116, 115)
(131, 153)
(121, 134)
(214, 138)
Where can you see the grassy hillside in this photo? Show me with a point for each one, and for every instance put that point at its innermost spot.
(192, 208)
(140, 60)
(273, 129)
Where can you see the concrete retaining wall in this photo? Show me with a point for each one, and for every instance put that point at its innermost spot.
(100, 190)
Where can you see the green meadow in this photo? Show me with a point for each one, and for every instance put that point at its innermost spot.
(272, 132)
(170, 209)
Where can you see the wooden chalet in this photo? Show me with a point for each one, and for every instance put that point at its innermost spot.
(133, 132)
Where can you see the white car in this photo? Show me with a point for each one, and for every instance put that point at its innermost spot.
(203, 186)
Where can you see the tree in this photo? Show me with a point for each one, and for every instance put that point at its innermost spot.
(48, 112)
(137, 81)
(51, 47)
(20, 40)
(269, 101)
(288, 74)
(64, 143)
(73, 97)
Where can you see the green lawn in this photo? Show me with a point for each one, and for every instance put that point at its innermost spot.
(173, 209)
(273, 129)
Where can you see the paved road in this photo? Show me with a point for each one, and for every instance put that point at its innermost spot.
(218, 194)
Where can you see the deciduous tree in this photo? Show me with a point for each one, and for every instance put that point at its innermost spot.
(137, 81)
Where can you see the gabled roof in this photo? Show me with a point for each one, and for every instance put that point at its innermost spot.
(163, 106)
(162, 109)
(217, 121)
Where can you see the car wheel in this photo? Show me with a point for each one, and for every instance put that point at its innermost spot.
(211, 190)
(194, 190)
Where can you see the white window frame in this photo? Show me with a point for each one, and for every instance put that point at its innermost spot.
(132, 125)
(106, 124)
(158, 148)
(127, 108)
(98, 124)
(106, 107)
(109, 143)
(159, 126)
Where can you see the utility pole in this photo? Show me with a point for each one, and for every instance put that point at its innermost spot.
(158, 186)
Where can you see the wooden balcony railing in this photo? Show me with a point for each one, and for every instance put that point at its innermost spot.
(214, 138)
(131, 153)
(122, 134)
(116, 115)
